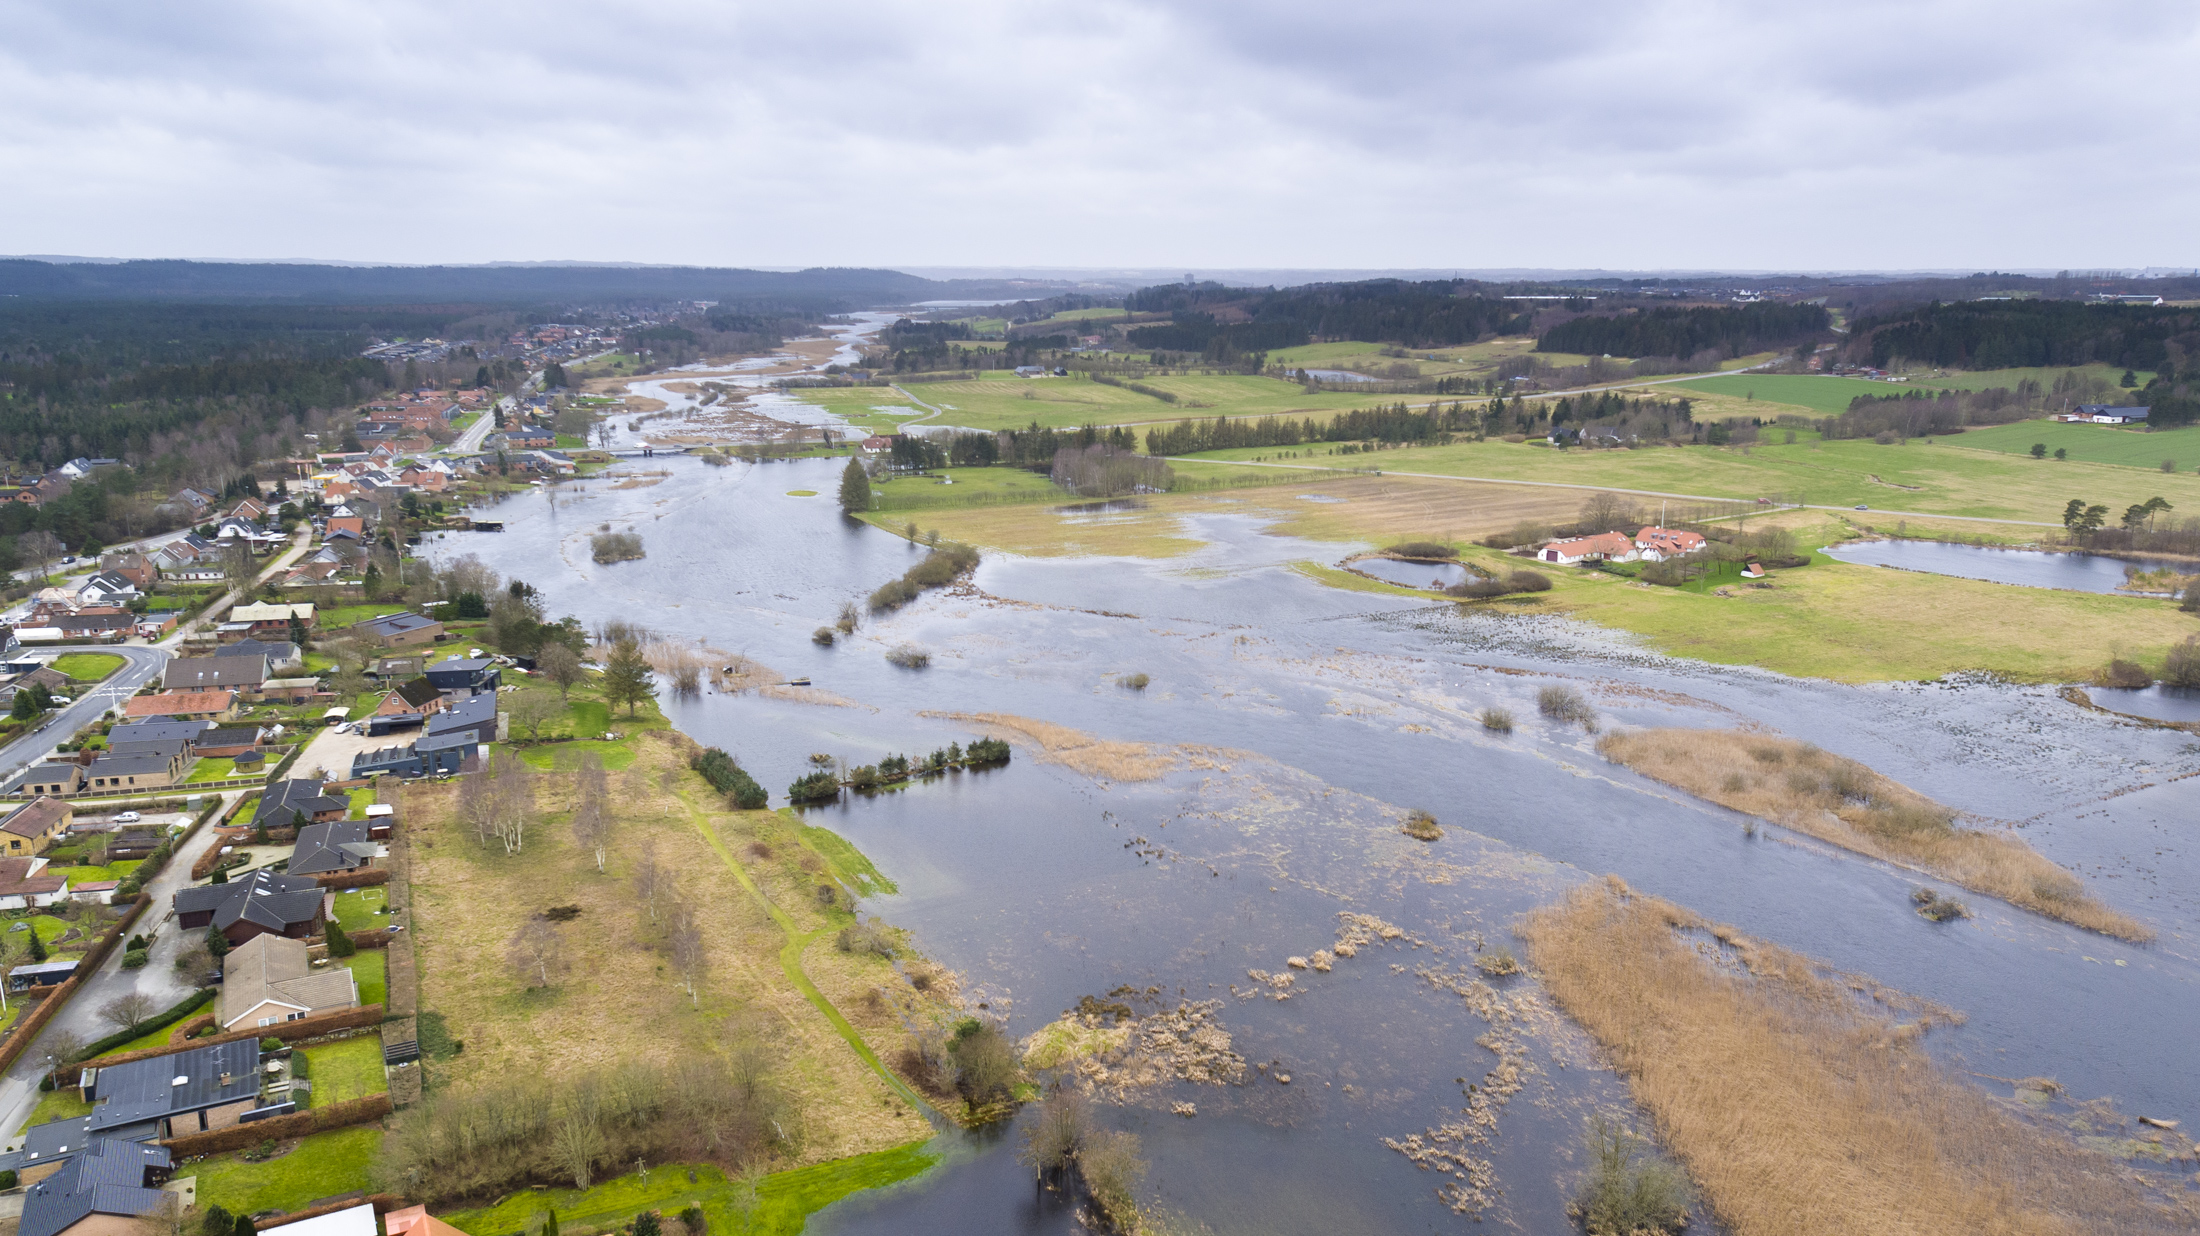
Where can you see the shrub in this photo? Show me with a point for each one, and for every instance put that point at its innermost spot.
(1136, 682)
(1940, 909)
(940, 568)
(1516, 582)
(2127, 674)
(217, 1221)
(1496, 720)
(1112, 1168)
(822, 637)
(610, 547)
(1497, 962)
(726, 775)
(986, 751)
(1628, 1192)
(271, 1043)
(817, 787)
(646, 1224)
(862, 938)
(863, 777)
(1422, 549)
(985, 1063)
(7, 1178)
(1421, 826)
(339, 944)
(694, 1221)
(909, 656)
(1528, 581)
(134, 959)
(1562, 703)
(2182, 667)
(2191, 603)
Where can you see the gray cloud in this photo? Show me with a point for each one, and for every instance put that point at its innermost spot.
(1580, 133)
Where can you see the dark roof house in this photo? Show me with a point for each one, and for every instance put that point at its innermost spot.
(300, 796)
(209, 673)
(178, 1091)
(339, 845)
(475, 715)
(106, 1177)
(258, 904)
(477, 673)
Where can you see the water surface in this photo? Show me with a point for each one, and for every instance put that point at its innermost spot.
(2030, 568)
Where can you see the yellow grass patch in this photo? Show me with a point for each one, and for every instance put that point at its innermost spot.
(1838, 800)
(1799, 1104)
(1094, 757)
(620, 998)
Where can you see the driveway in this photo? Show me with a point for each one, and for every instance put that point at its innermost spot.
(158, 979)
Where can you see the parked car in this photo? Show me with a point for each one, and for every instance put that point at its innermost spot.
(1861, 507)
(128, 817)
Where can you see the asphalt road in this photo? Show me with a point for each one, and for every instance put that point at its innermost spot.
(144, 664)
(158, 979)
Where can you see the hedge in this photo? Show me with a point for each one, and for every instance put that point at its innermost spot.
(383, 1203)
(303, 1028)
(356, 878)
(188, 1005)
(297, 1124)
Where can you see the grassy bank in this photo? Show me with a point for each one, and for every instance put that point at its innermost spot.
(1838, 800)
(1799, 1104)
(86, 666)
(621, 997)
(775, 1205)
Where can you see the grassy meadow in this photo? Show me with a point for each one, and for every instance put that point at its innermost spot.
(1925, 476)
(1819, 395)
(1001, 400)
(2106, 444)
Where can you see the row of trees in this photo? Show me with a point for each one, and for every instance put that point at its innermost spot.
(2084, 520)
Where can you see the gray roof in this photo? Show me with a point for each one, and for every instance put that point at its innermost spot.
(446, 741)
(321, 847)
(278, 651)
(134, 763)
(157, 731)
(461, 665)
(109, 1178)
(395, 624)
(269, 900)
(2114, 409)
(167, 1085)
(464, 714)
(297, 794)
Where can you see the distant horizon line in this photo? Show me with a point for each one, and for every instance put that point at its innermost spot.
(1176, 273)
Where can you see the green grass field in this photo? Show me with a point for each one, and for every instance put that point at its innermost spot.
(2092, 443)
(999, 400)
(86, 666)
(972, 487)
(326, 621)
(346, 1069)
(1826, 396)
(322, 1165)
(1938, 479)
(212, 768)
(355, 909)
(780, 1205)
(81, 874)
(1986, 378)
(370, 969)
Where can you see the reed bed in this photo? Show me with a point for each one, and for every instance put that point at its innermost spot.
(1799, 1104)
(1837, 800)
(1094, 757)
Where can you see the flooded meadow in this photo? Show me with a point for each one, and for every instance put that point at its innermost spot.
(1223, 847)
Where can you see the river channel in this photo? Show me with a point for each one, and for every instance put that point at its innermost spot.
(1291, 724)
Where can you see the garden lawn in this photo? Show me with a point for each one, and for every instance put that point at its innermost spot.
(85, 874)
(322, 1165)
(86, 666)
(326, 621)
(361, 799)
(212, 768)
(346, 1069)
(370, 969)
(970, 487)
(782, 1204)
(61, 1103)
(355, 909)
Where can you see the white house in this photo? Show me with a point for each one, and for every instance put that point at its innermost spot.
(1604, 546)
(1654, 544)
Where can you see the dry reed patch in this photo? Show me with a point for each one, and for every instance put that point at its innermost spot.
(1799, 1105)
(620, 999)
(1094, 757)
(1387, 508)
(1838, 800)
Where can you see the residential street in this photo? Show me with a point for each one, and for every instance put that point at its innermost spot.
(144, 665)
(19, 1088)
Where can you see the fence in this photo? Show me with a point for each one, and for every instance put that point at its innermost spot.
(287, 1031)
(299, 1124)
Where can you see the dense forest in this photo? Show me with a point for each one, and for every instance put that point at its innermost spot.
(2012, 334)
(926, 347)
(1685, 332)
(842, 288)
(184, 392)
(1224, 324)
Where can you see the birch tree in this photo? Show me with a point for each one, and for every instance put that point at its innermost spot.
(536, 952)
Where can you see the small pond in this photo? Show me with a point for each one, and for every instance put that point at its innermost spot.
(1339, 375)
(1434, 576)
(2160, 703)
(2028, 568)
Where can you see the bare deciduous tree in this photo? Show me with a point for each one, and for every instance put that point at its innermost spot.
(560, 665)
(511, 799)
(127, 1011)
(39, 549)
(474, 806)
(531, 710)
(1604, 512)
(578, 1142)
(652, 880)
(592, 807)
(684, 933)
(536, 952)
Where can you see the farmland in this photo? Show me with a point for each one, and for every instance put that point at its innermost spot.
(2107, 444)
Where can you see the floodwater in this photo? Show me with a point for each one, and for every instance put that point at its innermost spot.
(1296, 723)
(1339, 375)
(1434, 576)
(2029, 568)
(2161, 703)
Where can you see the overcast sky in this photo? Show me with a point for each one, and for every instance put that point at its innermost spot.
(1637, 134)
